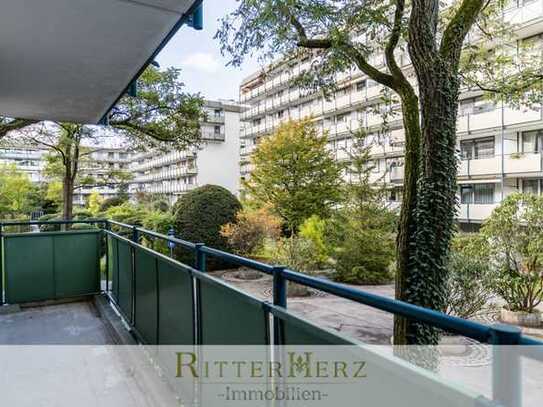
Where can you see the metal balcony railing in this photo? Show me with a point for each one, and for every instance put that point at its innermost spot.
(165, 301)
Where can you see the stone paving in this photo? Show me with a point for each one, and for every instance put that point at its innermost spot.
(355, 320)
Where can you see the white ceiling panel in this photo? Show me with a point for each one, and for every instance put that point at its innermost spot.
(69, 60)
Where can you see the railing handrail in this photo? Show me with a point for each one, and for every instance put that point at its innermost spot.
(471, 329)
(52, 222)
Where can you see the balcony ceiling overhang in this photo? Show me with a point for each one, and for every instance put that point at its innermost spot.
(70, 60)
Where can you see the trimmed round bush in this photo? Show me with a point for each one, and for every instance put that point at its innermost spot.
(199, 216)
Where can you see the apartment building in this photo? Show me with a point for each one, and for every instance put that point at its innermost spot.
(31, 161)
(213, 162)
(499, 147)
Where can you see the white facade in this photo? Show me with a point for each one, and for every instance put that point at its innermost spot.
(213, 162)
(500, 148)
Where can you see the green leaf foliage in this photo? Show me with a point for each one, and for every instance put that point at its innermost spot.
(199, 216)
(295, 174)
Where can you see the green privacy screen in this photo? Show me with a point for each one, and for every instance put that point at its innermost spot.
(230, 317)
(160, 290)
(120, 272)
(163, 306)
(298, 331)
(44, 266)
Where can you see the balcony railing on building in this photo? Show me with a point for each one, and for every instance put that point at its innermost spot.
(164, 301)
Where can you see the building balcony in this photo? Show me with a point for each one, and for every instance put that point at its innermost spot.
(213, 136)
(497, 118)
(482, 166)
(475, 212)
(396, 174)
(521, 163)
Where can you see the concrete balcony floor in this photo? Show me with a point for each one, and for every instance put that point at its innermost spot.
(69, 374)
(74, 323)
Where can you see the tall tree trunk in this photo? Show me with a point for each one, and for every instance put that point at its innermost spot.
(437, 74)
(68, 198)
(407, 225)
(437, 201)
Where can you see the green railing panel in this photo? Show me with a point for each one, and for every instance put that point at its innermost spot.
(124, 278)
(113, 266)
(176, 309)
(44, 266)
(146, 302)
(28, 268)
(77, 264)
(230, 317)
(298, 331)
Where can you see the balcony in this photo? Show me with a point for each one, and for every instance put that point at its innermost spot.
(481, 166)
(144, 296)
(475, 212)
(397, 174)
(522, 163)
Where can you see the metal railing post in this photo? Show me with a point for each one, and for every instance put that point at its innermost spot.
(279, 299)
(200, 265)
(135, 239)
(107, 227)
(506, 371)
(135, 234)
(200, 258)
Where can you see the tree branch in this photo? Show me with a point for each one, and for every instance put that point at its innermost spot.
(15, 124)
(392, 43)
(346, 48)
(458, 28)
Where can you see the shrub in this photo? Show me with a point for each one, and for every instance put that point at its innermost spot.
(515, 231)
(314, 229)
(81, 214)
(199, 216)
(470, 278)
(294, 252)
(158, 222)
(126, 213)
(363, 246)
(111, 202)
(82, 226)
(48, 217)
(252, 227)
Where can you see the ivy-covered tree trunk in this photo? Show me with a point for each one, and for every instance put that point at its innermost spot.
(423, 280)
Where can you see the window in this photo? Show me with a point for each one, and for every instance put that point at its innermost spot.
(280, 114)
(217, 112)
(361, 85)
(532, 141)
(217, 129)
(476, 149)
(477, 194)
(531, 186)
(395, 195)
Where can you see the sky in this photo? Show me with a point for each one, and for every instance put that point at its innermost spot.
(203, 69)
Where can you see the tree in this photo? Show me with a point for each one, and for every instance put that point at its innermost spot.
(95, 203)
(515, 235)
(161, 116)
(345, 33)
(295, 174)
(15, 188)
(69, 160)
